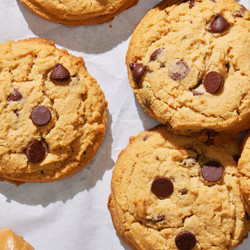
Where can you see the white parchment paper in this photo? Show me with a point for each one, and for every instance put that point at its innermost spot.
(72, 213)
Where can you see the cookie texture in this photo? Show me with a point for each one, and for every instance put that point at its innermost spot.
(9, 240)
(173, 192)
(244, 169)
(188, 65)
(53, 113)
(78, 12)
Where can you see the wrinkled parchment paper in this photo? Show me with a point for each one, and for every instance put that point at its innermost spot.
(72, 214)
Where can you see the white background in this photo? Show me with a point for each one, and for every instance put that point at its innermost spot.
(72, 213)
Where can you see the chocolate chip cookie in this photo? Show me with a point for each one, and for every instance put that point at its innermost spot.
(173, 192)
(53, 113)
(188, 64)
(9, 240)
(78, 12)
(244, 168)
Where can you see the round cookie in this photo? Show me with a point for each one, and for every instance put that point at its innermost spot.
(53, 113)
(244, 169)
(9, 240)
(188, 67)
(78, 12)
(173, 192)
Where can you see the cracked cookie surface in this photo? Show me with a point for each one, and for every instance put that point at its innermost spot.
(170, 191)
(53, 113)
(188, 65)
(244, 169)
(78, 12)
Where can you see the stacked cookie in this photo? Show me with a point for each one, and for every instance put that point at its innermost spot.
(188, 65)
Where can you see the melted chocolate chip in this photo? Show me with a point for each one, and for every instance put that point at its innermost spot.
(40, 115)
(59, 73)
(35, 151)
(191, 4)
(137, 71)
(162, 187)
(197, 93)
(218, 24)
(240, 12)
(178, 70)
(185, 240)
(212, 82)
(15, 96)
(212, 171)
(145, 137)
(155, 54)
(158, 219)
(147, 103)
(17, 113)
(184, 191)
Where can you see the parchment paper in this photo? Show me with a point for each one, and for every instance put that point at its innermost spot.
(72, 213)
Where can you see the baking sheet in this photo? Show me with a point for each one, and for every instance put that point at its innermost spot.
(72, 213)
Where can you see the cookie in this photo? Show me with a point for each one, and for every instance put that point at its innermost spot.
(53, 113)
(9, 240)
(173, 192)
(188, 65)
(77, 12)
(244, 169)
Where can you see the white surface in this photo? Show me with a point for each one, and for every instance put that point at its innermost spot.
(72, 214)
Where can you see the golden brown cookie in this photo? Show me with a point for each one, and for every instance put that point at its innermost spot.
(53, 113)
(188, 64)
(78, 12)
(10, 241)
(244, 169)
(173, 192)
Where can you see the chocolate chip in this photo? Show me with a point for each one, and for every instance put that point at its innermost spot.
(162, 187)
(240, 12)
(145, 137)
(15, 96)
(40, 115)
(137, 71)
(191, 4)
(213, 82)
(185, 240)
(16, 112)
(178, 70)
(155, 54)
(35, 151)
(184, 191)
(157, 158)
(162, 65)
(218, 24)
(212, 171)
(59, 73)
(196, 93)
(158, 219)
(147, 103)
